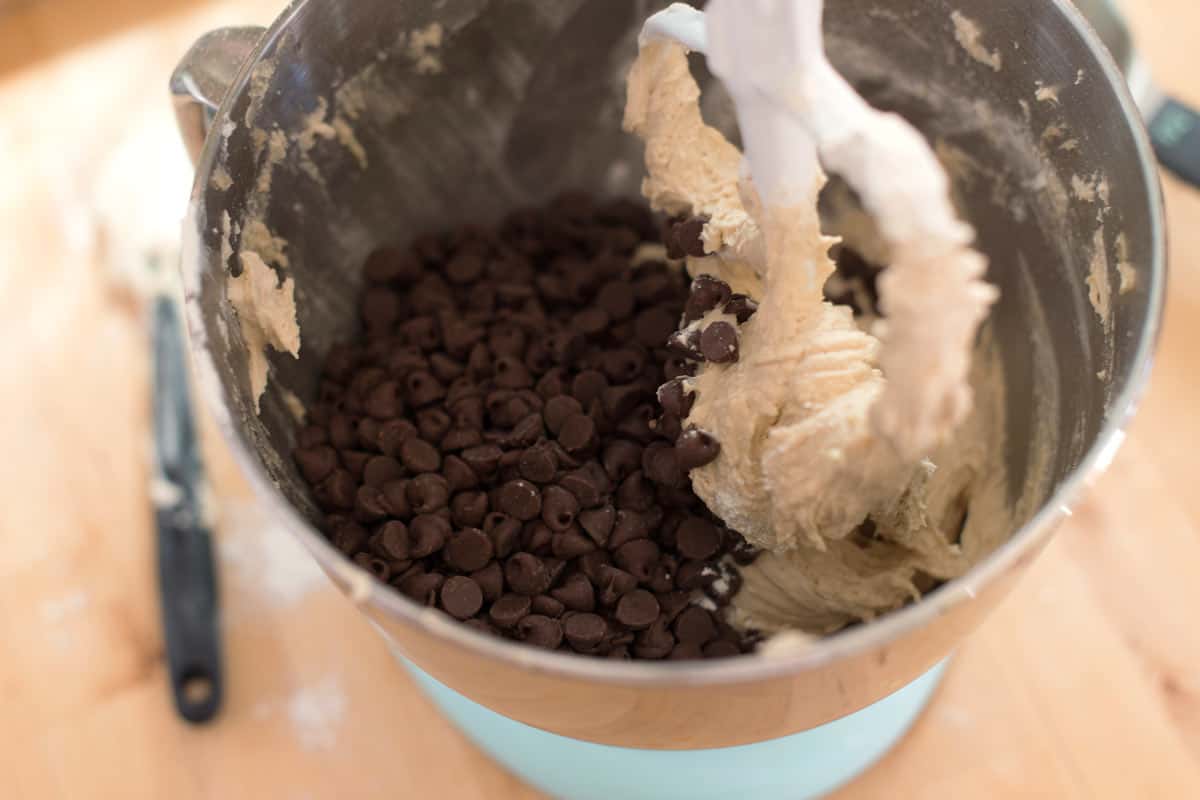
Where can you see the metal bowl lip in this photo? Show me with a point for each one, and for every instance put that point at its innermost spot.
(372, 595)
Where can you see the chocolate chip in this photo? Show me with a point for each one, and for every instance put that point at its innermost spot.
(558, 409)
(706, 294)
(374, 565)
(578, 433)
(427, 535)
(638, 558)
(509, 610)
(338, 490)
(537, 538)
(694, 575)
(316, 463)
(483, 460)
(635, 493)
(741, 307)
(559, 508)
(697, 538)
(461, 597)
(617, 299)
(588, 385)
(576, 593)
(355, 462)
(598, 523)
(675, 398)
(464, 268)
(695, 448)
(538, 464)
(721, 649)
(468, 509)
(637, 609)
(695, 626)
(656, 642)
(686, 651)
(369, 504)
(460, 439)
(422, 388)
(653, 326)
(547, 606)
(519, 499)
(719, 343)
(540, 631)
(422, 587)
(380, 307)
(688, 236)
(468, 550)
(614, 583)
(629, 525)
(428, 492)
(686, 344)
(584, 484)
(591, 321)
(526, 574)
(349, 537)
(661, 465)
(490, 580)
(393, 434)
(571, 544)
(504, 531)
(459, 476)
(433, 424)
(584, 631)
(390, 264)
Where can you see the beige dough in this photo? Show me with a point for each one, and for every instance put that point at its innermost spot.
(266, 310)
(802, 416)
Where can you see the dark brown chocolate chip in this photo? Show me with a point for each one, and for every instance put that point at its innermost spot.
(688, 236)
(617, 299)
(621, 458)
(483, 460)
(598, 523)
(464, 268)
(547, 606)
(686, 651)
(584, 631)
(578, 433)
(591, 321)
(392, 540)
(445, 368)
(468, 550)
(433, 424)
(588, 385)
(661, 465)
(342, 433)
(509, 610)
(629, 525)
(427, 535)
(695, 626)
(653, 326)
(576, 593)
(697, 538)
(461, 597)
(468, 509)
(741, 307)
(395, 498)
(559, 508)
(519, 499)
(393, 434)
(384, 403)
(374, 565)
(558, 409)
(460, 439)
(423, 388)
(369, 504)
(504, 532)
(355, 461)
(537, 538)
(686, 343)
(349, 537)
(637, 609)
(706, 294)
(719, 343)
(538, 464)
(619, 401)
(721, 649)
(526, 574)
(694, 575)
(583, 483)
(656, 642)
(338, 490)
(614, 583)
(312, 436)
(380, 308)
(316, 463)
(674, 603)
(510, 372)
(458, 475)
(635, 493)
(390, 264)
(422, 586)
(380, 470)
(428, 492)
(541, 631)
(695, 448)
(675, 398)
(638, 558)
(571, 544)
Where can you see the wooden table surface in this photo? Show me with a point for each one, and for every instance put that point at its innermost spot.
(1085, 684)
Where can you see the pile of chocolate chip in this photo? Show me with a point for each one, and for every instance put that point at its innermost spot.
(505, 440)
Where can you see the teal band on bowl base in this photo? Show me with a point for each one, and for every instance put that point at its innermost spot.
(797, 767)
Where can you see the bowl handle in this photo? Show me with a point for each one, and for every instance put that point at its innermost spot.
(202, 77)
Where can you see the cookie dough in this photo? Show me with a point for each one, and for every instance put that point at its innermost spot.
(815, 440)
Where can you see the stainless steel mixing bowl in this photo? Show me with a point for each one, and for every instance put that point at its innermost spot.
(516, 100)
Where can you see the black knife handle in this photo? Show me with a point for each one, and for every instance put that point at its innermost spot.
(188, 589)
(1175, 132)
